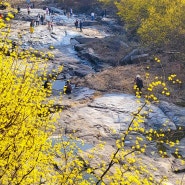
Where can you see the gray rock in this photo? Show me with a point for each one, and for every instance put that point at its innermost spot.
(118, 28)
(84, 40)
(174, 113)
(157, 119)
(85, 55)
(139, 58)
(182, 148)
(115, 110)
(127, 59)
(79, 47)
(82, 93)
(82, 70)
(177, 166)
(56, 10)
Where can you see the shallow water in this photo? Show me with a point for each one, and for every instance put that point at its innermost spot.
(58, 85)
(79, 144)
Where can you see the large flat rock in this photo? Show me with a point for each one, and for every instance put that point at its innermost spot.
(115, 111)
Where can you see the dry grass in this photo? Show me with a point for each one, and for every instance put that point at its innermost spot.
(111, 49)
(121, 78)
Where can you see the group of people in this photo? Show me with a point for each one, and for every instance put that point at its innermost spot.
(49, 11)
(29, 7)
(79, 24)
(68, 13)
(40, 19)
(103, 14)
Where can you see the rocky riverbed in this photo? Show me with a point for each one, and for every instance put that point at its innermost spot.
(94, 109)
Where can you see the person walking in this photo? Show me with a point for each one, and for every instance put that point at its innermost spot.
(38, 20)
(64, 12)
(28, 9)
(102, 14)
(33, 6)
(92, 16)
(139, 83)
(18, 9)
(105, 13)
(47, 11)
(68, 15)
(71, 12)
(42, 19)
(32, 24)
(81, 25)
(51, 24)
(76, 23)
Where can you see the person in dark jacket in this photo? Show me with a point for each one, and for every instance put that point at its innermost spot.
(18, 9)
(139, 83)
(32, 24)
(76, 23)
(28, 9)
(67, 88)
(42, 19)
(81, 25)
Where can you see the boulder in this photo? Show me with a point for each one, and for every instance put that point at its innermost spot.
(174, 113)
(82, 70)
(133, 57)
(139, 58)
(79, 47)
(85, 55)
(127, 59)
(84, 40)
(56, 10)
(178, 166)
